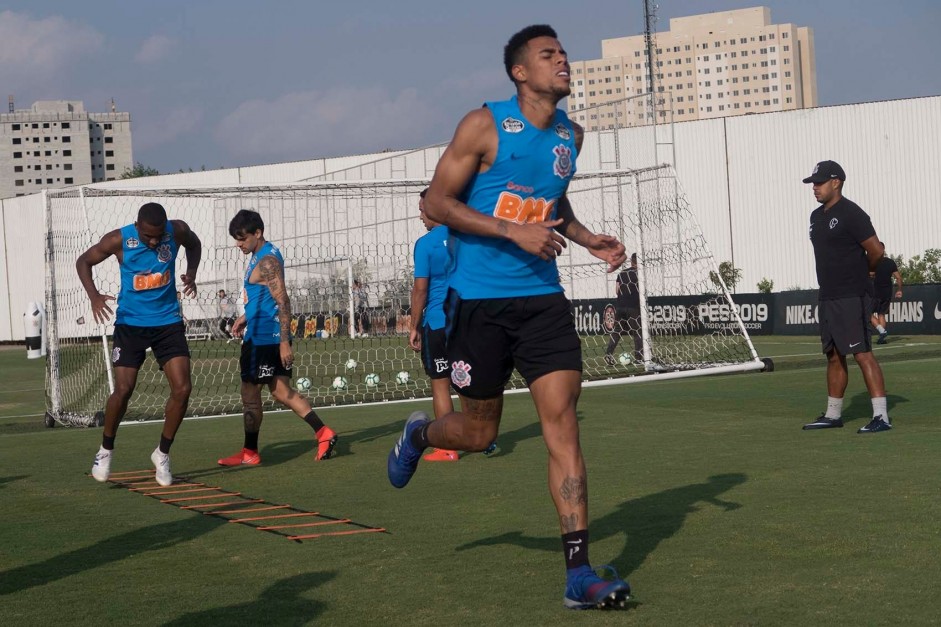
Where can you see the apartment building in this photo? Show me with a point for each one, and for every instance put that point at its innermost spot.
(706, 66)
(56, 143)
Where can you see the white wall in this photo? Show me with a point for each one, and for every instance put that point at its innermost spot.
(742, 176)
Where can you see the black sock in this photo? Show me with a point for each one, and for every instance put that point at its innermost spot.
(420, 437)
(165, 444)
(251, 441)
(107, 442)
(575, 545)
(314, 420)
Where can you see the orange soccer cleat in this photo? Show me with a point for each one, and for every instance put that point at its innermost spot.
(326, 440)
(245, 457)
(441, 455)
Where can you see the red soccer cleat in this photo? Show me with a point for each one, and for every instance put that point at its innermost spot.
(245, 457)
(441, 455)
(326, 440)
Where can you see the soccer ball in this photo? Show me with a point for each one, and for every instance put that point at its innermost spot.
(324, 334)
(351, 364)
(372, 379)
(402, 377)
(339, 383)
(625, 359)
(303, 384)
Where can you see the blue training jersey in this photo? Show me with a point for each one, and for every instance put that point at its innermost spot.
(432, 262)
(261, 311)
(531, 172)
(148, 280)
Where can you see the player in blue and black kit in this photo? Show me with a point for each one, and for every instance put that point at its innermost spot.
(148, 316)
(500, 189)
(265, 328)
(427, 334)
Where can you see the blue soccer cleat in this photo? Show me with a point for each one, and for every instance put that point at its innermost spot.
(404, 458)
(585, 590)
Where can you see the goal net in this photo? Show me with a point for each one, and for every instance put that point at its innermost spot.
(334, 234)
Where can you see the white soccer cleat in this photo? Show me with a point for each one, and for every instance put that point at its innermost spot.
(101, 469)
(161, 463)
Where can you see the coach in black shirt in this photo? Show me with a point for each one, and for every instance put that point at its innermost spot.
(846, 249)
(882, 289)
(628, 311)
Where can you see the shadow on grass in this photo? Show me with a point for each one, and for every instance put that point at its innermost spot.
(113, 549)
(860, 406)
(5, 480)
(281, 604)
(645, 522)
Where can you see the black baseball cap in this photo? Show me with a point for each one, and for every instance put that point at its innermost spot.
(826, 171)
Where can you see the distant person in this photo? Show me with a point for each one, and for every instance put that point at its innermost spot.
(846, 249)
(227, 314)
(149, 316)
(267, 357)
(627, 305)
(882, 284)
(427, 334)
(500, 188)
(360, 303)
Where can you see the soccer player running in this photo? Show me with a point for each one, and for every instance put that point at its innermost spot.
(846, 249)
(148, 316)
(882, 285)
(265, 327)
(427, 333)
(500, 189)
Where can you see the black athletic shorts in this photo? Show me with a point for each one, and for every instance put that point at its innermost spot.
(131, 344)
(434, 352)
(628, 322)
(881, 302)
(487, 338)
(261, 363)
(844, 324)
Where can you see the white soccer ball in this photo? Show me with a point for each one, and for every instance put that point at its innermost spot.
(351, 364)
(339, 383)
(303, 384)
(372, 379)
(625, 359)
(324, 334)
(402, 377)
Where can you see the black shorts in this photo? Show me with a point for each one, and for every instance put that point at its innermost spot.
(628, 322)
(881, 302)
(844, 324)
(487, 338)
(261, 363)
(131, 344)
(434, 352)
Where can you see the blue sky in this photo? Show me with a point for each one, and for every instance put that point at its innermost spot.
(223, 83)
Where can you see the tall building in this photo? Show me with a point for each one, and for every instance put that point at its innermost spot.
(707, 66)
(56, 143)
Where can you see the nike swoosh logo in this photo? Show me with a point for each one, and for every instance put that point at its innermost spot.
(574, 541)
(855, 345)
(937, 313)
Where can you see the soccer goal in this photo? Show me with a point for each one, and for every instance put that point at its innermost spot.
(353, 347)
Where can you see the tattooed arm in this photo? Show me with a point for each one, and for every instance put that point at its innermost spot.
(272, 275)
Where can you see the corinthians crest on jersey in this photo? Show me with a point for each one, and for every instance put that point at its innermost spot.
(562, 167)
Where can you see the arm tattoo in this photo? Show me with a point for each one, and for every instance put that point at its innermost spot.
(251, 413)
(272, 276)
(488, 410)
(574, 490)
(569, 523)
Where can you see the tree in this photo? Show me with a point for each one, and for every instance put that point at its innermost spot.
(924, 268)
(139, 170)
(730, 276)
(765, 286)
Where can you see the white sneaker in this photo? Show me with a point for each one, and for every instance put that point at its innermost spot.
(101, 469)
(161, 462)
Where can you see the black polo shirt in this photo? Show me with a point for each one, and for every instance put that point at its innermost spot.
(884, 272)
(837, 234)
(628, 296)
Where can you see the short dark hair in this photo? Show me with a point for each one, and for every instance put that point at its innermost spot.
(633, 257)
(513, 51)
(423, 192)
(246, 221)
(152, 213)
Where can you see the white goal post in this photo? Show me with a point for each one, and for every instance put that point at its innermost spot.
(334, 232)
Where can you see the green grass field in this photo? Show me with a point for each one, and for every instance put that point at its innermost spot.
(705, 494)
